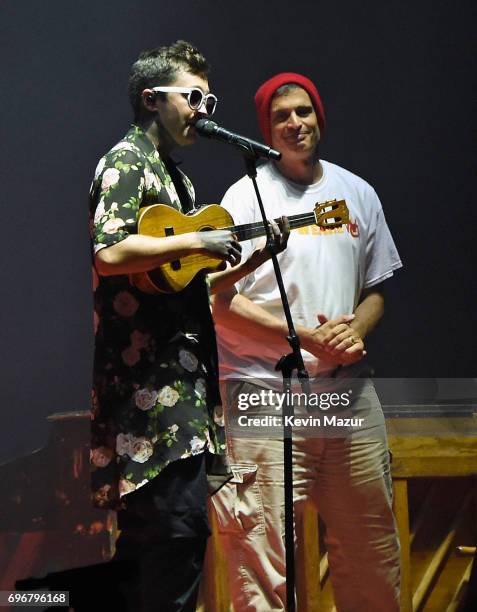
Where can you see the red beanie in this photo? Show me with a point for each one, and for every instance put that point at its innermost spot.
(264, 96)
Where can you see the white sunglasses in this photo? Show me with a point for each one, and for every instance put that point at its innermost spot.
(195, 97)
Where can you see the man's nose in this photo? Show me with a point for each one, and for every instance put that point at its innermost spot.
(202, 110)
(293, 120)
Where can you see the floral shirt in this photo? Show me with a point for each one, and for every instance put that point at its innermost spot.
(155, 394)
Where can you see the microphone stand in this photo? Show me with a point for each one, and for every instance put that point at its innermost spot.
(286, 365)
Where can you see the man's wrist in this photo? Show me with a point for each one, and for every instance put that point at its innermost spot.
(256, 259)
(308, 340)
(358, 326)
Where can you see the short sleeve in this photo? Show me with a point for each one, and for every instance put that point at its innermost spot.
(382, 257)
(116, 193)
(240, 202)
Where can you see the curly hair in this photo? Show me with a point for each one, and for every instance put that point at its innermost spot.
(159, 66)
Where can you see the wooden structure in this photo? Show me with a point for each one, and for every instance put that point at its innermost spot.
(437, 545)
(434, 467)
(47, 523)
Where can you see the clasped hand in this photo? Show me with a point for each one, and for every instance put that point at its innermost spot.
(335, 341)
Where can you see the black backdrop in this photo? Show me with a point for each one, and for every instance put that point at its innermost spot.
(397, 81)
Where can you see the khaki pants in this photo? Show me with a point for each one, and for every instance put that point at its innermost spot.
(345, 473)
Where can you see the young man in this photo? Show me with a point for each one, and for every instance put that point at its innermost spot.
(333, 280)
(155, 419)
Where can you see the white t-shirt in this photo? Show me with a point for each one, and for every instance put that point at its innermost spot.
(324, 271)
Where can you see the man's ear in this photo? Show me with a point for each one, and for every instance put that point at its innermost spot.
(149, 100)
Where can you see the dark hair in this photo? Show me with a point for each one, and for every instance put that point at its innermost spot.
(285, 89)
(159, 66)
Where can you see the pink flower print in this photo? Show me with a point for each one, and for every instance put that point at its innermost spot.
(145, 399)
(130, 356)
(101, 456)
(101, 496)
(139, 340)
(168, 396)
(123, 443)
(110, 178)
(126, 486)
(112, 225)
(125, 304)
(141, 450)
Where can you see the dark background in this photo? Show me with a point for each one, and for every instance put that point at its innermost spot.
(397, 80)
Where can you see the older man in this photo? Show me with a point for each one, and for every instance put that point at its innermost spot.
(333, 278)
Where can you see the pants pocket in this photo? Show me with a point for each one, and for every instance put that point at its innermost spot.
(238, 505)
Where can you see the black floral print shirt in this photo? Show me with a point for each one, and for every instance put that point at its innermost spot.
(155, 394)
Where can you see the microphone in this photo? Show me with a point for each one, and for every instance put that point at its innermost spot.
(210, 129)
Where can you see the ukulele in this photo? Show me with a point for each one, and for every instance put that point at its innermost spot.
(159, 220)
